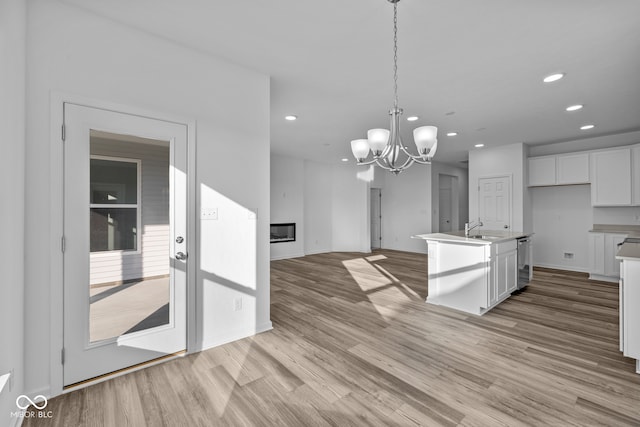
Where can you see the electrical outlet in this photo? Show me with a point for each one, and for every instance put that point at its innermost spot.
(237, 304)
(209, 213)
(568, 255)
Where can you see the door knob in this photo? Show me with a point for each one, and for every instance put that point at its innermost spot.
(179, 239)
(506, 226)
(181, 256)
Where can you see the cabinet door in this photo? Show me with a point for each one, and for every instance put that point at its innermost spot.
(542, 171)
(611, 264)
(596, 253)
(611, 178)
(506, 273)
(635, 173)
(573, 169)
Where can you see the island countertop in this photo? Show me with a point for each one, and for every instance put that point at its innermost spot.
(488, 236)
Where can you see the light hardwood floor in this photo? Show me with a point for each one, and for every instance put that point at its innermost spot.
(354, 343)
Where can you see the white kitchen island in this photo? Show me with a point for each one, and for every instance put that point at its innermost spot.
(629, 256)
(472, 274)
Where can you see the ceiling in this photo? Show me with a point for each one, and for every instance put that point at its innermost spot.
(474, 67)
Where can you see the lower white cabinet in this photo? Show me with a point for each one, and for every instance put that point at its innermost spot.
(602, 254)
(630, 310)
(503, 271)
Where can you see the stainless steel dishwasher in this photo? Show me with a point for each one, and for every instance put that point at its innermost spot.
(525, 266)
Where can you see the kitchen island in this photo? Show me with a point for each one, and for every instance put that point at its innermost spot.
(472, 273)
(629, 256)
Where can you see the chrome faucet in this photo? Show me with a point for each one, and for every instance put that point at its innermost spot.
(468, 226)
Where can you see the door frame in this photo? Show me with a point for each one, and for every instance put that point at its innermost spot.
(56, 219)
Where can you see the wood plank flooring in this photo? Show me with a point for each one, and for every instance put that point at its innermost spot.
(355, 344)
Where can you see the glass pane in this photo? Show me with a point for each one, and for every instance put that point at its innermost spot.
(114, 182)
(114, 229)
(130, 275)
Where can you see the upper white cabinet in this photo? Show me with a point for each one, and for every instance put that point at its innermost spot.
(542, 171)
(635, 174)
(564, 169)
(611, 177)
(573, 169)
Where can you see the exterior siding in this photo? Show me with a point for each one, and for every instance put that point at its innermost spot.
(154, 257)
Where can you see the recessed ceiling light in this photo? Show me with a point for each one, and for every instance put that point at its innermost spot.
(479, 145)
(587, 127)
(553, 77)
(345, 159)
(575, 107)
(290, 117)
(412, 118)
(452, 134)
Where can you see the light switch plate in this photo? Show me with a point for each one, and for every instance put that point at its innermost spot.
(209, 213)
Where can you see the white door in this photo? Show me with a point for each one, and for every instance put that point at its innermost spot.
(125, 187)
(376, 218)
(494, 200)
(444, 208)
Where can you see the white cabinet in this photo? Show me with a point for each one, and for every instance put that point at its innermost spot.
(611, 177)
(564, 169)
(542, 171)
(602, 252)
(635, 175)
(630, 310)
(573, 169)
(503, 272)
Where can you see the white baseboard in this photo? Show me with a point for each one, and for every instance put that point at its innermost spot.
(604, 278)
(275, 258)
(235, 335)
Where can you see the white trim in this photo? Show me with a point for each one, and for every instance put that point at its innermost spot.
(563, 267)
(56, 218)
(296, 255)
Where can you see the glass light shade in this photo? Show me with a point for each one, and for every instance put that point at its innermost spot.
(425, 138)
(378, 139)
(432, 152)
(360, 149)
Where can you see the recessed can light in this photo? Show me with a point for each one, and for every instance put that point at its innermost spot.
(479, 145)
(587, 127)
(452, 134)
(412, 118)
(345, 159)
(291, 117)
(553, 77)
(575, 107)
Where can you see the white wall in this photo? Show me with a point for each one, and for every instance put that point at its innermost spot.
(318, 207)
(350, 215)
(287, 203)
(617, 215)
(562, 218)
(406, 209)
(12, 171)
(72, 51)
(504, 160)
(462, 181)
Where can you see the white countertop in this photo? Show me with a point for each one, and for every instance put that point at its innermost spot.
(497, 236)
(629, 251)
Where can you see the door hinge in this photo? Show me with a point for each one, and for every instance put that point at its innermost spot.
(63, 244)
(64, 132)
(62, 355)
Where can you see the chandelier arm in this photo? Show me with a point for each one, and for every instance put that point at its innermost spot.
(417, 158)
(383, 166)
(421, 161)
(367, 162)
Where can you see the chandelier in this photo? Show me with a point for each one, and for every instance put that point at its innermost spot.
(386, 145)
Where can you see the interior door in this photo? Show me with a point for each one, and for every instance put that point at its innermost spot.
(445, 204)
(125, 224)
(376, 218)
(494, 200)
